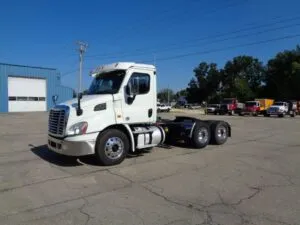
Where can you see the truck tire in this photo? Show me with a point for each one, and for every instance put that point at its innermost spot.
(201, 135)
(293, 114)
(112, 147)
(219, 133)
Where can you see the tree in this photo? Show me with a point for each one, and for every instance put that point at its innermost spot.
(181, 93)
(243, 77)
(204, 85)
(166, 94)
(282, 79)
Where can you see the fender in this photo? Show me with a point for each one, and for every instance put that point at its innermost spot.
(130, 135)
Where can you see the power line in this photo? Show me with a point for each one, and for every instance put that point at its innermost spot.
(67, 73)
(220, 49)
(209, 43)
(202, 13)
(207, 37)
(227, 48)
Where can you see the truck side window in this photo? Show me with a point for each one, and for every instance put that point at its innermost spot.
(143, 80)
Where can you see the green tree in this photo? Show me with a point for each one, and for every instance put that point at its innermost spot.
(282, 79)
(205, 83)
(166, 94)
(181, 93)
(243, 77)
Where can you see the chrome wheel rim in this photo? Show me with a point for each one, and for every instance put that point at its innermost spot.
(203, 135)
(222, 132)
(114, 147)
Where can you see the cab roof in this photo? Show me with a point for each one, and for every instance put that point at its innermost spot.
(120, 66)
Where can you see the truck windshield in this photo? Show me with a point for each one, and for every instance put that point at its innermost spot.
(278, 103)
(249, 104)
(107, 83)
(227, 101)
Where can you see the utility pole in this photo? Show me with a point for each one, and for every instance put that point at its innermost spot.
(82, 49)
(168, 94)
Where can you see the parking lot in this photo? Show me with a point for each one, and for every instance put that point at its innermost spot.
(253, 179)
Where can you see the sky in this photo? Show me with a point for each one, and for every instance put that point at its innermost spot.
(175, 35)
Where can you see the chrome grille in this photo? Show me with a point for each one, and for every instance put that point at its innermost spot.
(57, 121)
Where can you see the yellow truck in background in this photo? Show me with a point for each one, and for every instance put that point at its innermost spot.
(264, 103)
(256, 107)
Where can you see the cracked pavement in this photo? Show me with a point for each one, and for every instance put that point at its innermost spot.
(254, 179)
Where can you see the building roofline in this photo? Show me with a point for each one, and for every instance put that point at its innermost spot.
(33, 67)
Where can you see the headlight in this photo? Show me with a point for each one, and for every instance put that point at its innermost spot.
(78, 128)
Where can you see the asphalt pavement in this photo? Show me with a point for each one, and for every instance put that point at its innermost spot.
(252, 179)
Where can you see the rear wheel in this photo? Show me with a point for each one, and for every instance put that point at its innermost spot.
(231, 113)
(112, 147)
(201, 135)
(293, 114)
(219, 133)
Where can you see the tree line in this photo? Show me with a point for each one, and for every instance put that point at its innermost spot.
(244, 77)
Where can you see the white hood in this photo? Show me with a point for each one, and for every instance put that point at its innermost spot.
(88, 100)
(276, 107)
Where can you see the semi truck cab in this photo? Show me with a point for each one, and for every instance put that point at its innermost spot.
(119, 114)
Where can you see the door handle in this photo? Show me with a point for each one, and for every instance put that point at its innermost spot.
(150, 112)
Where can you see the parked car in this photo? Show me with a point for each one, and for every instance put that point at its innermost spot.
(212, 108)
(163, 108)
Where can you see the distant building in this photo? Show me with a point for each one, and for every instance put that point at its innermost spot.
(29, 88)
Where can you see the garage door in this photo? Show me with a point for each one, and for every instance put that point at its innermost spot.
(26, 94)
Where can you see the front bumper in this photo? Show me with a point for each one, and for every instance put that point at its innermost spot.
(275, 112)
(74, 146)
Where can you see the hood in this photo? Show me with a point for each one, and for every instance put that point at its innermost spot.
(276, 107)
(88, 100)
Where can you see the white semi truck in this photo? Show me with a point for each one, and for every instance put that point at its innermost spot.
(118, 115)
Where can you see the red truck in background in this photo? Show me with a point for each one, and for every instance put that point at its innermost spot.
(230, 106)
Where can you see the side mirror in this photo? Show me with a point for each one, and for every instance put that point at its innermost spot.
(54, 99)
(79, 109)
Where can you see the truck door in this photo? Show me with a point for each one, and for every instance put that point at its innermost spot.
(140, 108)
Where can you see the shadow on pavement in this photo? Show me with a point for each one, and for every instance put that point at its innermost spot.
(71, 161)
(61, 160)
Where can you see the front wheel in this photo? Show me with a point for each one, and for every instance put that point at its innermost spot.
(201, 135)
(112, 147)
